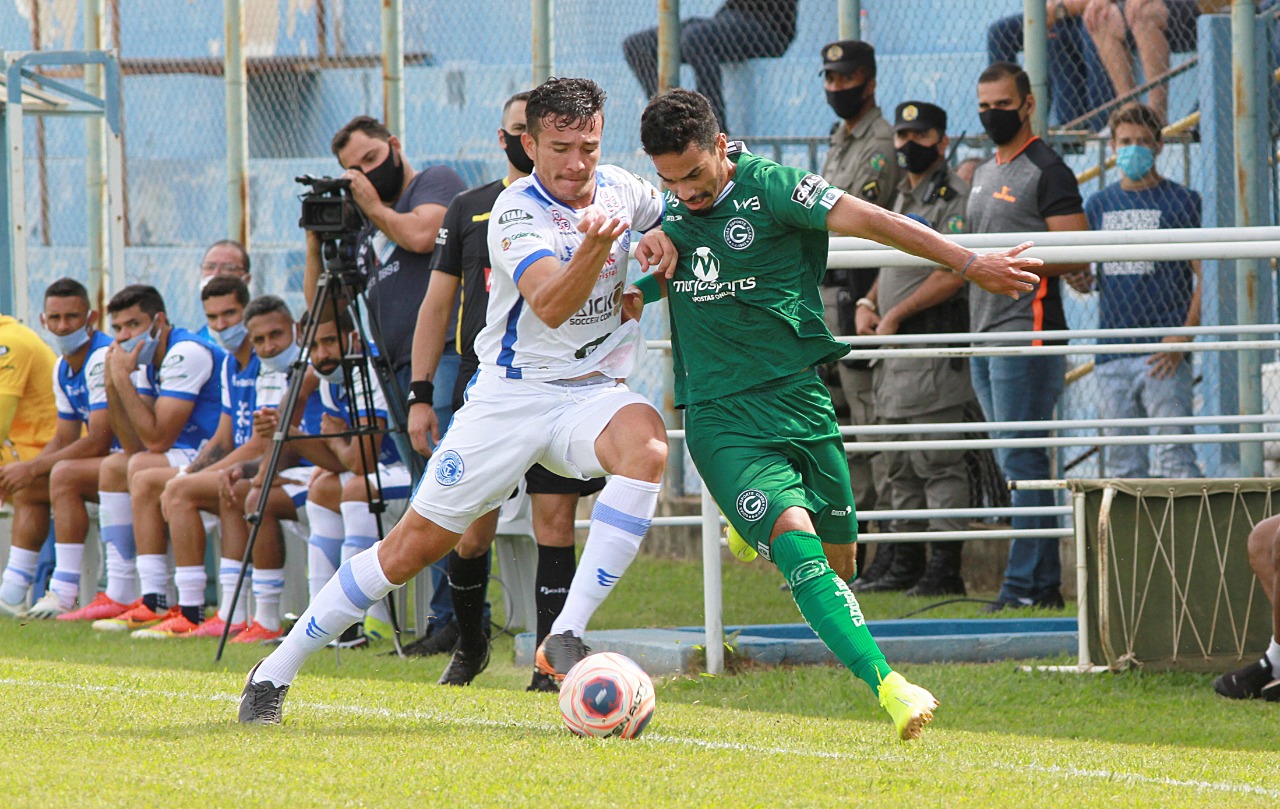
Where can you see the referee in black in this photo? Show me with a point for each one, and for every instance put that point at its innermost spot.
(461, 260)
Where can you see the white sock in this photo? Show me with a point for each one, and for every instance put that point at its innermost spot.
(115, 524)
(358, 584)
(153, 570)
(228, 574)
(267, 587)
(65, 583)
(191, 581)
(618, 522)
(18, 575)
(324, 546)
(360, 531)
(1273, 657)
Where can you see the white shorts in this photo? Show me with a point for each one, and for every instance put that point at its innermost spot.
(295, 481)
(179, 458)
(397, 482)
(505, 427)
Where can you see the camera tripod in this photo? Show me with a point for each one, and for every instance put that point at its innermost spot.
(339, 284)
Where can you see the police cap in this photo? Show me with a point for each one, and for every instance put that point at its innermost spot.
(847, 56)
(919, 116)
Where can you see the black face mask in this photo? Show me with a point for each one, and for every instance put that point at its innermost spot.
(387, 178)
(847, 103)
(917, 158)
(516, 153)
(1001, 125)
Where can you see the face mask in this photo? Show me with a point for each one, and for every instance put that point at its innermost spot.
(387, 177)
(1135, 161)
(1001, 126)
(149, 345)
(232, 337)
(516, 153)
(848, 102)
(917, 158)
(68, 344)
(280, 363)
(333, 377)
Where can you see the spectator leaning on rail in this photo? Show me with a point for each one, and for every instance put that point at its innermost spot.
(922, 300)
(860, 162)
(1024, 187)
(1145, 294)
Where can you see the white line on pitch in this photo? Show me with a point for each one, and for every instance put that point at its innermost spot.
(387, 713)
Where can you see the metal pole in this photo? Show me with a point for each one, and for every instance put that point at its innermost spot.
(237, 123)
(543, 36)
(668, 45)
(393, 66)
(95, 159)
(1245, 87)
(713, 603)
(850, 19)
(1035, 47)
(1082, 580)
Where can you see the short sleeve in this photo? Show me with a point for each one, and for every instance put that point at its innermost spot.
(95, 379)
(228, 385)
(65, 409)
(799, 198)
(447, 255)
(1059, 192)
(647, 205)
(16, 362)
(186, 367)
(435, 185)
(519, 239)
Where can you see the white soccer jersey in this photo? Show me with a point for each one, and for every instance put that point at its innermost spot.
(79, 394)
(527, 223)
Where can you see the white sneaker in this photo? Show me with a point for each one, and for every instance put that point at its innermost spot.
(12, 610)
(49, 606)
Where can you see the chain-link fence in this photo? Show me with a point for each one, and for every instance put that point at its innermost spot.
(313, 65)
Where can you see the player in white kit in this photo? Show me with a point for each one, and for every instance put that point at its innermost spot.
(547, 392)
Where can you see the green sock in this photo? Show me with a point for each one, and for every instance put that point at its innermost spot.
(828, 606)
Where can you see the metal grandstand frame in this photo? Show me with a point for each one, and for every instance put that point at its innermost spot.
(27, 91)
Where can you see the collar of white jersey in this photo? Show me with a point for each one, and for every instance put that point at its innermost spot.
(541, 190)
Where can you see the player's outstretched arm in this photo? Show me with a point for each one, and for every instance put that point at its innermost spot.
(1003, 273)
(656, 254)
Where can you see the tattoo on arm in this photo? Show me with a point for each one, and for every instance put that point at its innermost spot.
(209, 455)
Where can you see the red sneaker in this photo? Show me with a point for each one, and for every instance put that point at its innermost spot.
(212, 628)
(257, 633)
(102, 606)
(173, 626)
(136, 617)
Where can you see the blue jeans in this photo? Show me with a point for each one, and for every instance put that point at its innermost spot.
(1077, 80)
(1126, 390)
(729, 36)
(1024, 389)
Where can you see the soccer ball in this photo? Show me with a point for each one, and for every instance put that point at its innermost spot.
(606, 694)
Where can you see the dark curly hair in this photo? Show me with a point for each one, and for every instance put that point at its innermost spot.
(676, 119)
(568, 103)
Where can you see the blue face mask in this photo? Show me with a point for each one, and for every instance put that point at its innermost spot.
(232, 337)
(68, 344)
(280, 363)
(1135, 161)
(333, 377)
(149, 345)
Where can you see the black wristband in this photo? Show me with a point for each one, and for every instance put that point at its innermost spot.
(421, 392)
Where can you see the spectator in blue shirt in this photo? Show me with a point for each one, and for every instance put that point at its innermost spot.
(1145, 294)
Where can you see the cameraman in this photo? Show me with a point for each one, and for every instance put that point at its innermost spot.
(404, 209)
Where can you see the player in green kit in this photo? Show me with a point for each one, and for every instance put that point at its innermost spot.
(742, 249)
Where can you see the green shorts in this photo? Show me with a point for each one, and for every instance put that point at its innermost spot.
(772, 447)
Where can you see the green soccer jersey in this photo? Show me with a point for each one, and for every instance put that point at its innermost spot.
(744, 302)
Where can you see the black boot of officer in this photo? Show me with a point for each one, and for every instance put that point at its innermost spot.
(942, 574)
